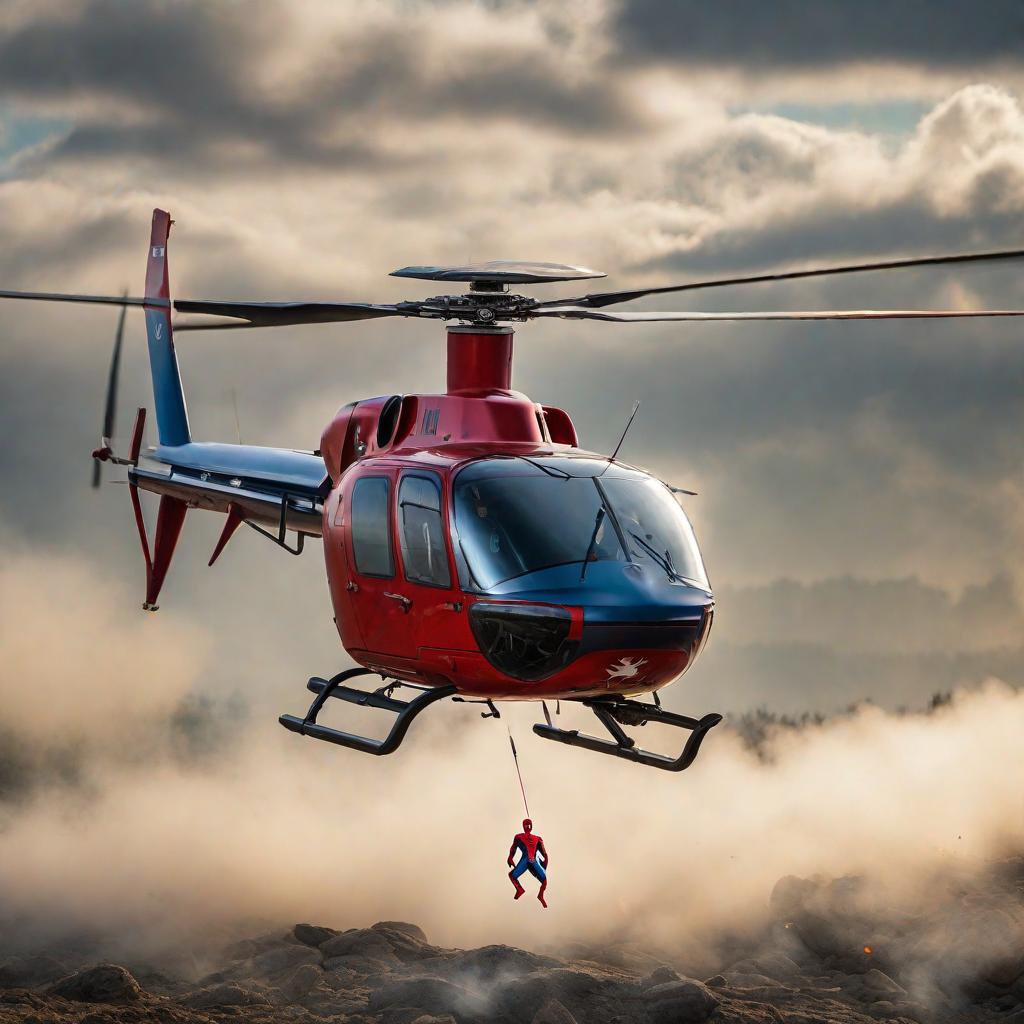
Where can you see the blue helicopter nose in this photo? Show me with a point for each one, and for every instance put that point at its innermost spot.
(610, 589)
(625, 605)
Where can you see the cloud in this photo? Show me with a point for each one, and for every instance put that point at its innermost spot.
(245, 87)
(783, 192)
(903, 616)
(792, 35)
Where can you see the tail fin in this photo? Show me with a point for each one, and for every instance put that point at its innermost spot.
(171, 415)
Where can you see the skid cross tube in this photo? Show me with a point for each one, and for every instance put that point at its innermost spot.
(613, 714)
(381, 699)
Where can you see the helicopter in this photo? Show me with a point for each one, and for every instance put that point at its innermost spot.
(473, 549)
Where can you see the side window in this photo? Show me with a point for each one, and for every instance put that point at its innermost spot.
(419, 519)
(371, 527)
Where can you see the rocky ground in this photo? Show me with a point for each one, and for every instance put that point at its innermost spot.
(828, 954)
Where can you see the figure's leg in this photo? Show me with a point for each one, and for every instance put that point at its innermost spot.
(537, 869)
(515, 874)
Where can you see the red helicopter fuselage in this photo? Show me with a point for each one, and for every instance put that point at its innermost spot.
(456, 539)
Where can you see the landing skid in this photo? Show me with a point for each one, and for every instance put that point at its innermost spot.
(404, 711)
(613, 713)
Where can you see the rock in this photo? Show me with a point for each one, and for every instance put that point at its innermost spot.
(313, 934)
(406, 1015)
(883, 1009)
(789, 896)
(877, 981)
(775, 965)
(282, 958)
(741, 979)
(271, 966)
(659, 976)
(338, 973)
(1006, 971)
(680, 1002)
(410, 1015)
(886, 1009)
(246, 949)
(553, 1012)
(411, 930)
(433, 995)
(301, 982)
(353, 965)
(521, 998)
(104, 983)
(156, 982)
(489, 963)
(335, 1008)
(403, 941)
(226, 994)
(31, 971)
(826, 936)
(360, 942)
(338, 977)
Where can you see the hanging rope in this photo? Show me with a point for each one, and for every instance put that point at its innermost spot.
(515, 757)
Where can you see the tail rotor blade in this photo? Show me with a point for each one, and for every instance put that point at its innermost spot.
(110, 409)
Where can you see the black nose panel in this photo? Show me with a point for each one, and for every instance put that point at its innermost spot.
(527, 642)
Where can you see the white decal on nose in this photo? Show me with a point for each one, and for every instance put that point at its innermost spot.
(625, 668)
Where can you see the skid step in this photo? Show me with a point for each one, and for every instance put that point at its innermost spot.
(381, 699)
(613, 714)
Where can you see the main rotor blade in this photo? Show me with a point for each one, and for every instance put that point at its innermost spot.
(283, 314)
(103, 300)
(578, 313)
(596, 300)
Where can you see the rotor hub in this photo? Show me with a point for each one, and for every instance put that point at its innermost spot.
(476, 307)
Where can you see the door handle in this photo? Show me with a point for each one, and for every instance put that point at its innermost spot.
(401, 599)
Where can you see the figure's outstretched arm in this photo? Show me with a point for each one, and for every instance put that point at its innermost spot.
(512, 851)
(542, 849)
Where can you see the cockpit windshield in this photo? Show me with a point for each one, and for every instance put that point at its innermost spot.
(516, 516)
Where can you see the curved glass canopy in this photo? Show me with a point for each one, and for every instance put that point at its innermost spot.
(516, 516)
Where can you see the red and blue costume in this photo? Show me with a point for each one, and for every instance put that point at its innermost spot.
(532, 848)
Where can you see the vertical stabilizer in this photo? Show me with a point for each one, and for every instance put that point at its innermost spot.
(171, 415)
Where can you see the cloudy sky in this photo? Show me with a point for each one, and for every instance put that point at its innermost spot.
(861, 501)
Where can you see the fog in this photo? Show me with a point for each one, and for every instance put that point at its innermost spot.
(132, 807)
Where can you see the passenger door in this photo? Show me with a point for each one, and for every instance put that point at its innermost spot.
(382, 608)
(428, 575)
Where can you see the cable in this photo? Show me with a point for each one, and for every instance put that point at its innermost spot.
(515, 757)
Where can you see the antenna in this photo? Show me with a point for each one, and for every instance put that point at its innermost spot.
(629, 423)
(238, 422)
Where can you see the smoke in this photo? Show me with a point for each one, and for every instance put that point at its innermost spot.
(185, 819)
(75, 666)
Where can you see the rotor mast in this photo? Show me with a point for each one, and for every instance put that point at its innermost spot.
(479, 360)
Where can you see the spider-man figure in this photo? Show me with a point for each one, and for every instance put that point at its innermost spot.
(533, 849)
